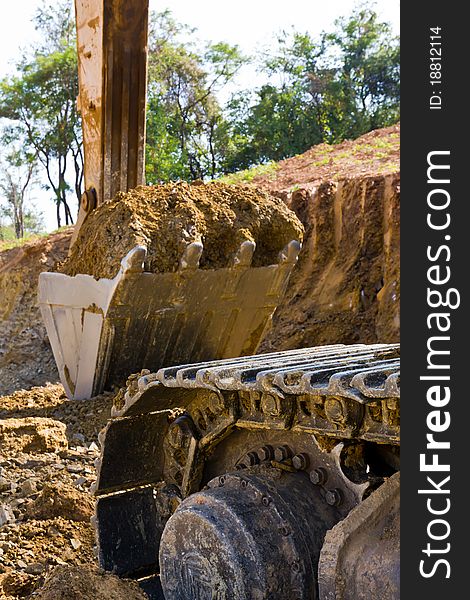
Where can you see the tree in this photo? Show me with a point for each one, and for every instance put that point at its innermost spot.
(183, 114)
(367, 83)
(17, 172)
(40, 103)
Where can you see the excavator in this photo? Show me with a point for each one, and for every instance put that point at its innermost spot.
(224, 474)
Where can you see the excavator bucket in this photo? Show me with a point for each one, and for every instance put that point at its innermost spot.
(103, 330)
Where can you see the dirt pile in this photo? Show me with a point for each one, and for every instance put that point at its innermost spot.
(87, 582)
(166, 218)
(61, 501)
(25, 354)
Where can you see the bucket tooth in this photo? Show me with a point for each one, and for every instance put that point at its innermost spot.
(191, 256)
(244, 254)
(103, 330)
(134, 260)
(290, 253)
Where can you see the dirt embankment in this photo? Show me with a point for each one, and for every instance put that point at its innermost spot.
(346, 286)
(25, 355)
(373, 154)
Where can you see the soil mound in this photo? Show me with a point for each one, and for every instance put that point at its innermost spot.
(61, 500)
(374, 154)
(166, 218)
(81, 582)
(33, 434)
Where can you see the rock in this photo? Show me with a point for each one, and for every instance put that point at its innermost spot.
(6, 514)
(21, 564)
(17, 502)
(75, 468)
(52, 531)
(35, 568)
(75, 543)
(4, 484)
(32, 434)
(87, 582)
(28, 487)
(61, 500)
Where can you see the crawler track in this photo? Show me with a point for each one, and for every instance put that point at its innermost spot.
(319, 427)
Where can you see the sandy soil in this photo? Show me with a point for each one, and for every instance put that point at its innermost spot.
(25, 355)
(48, 447)
(166, 218)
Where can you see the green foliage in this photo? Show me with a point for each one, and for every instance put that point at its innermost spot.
(247, 175)
(184, 118)
(40, 103)
(327, 90)
(17, 176)
(367, 83)
(8, 239)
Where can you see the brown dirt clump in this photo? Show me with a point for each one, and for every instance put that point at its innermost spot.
(87, 582)
(14, 585)
(61, 501)
(83, 420)
(32, 434)
(166, 218)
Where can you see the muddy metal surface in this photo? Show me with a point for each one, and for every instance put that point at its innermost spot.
(235, 470)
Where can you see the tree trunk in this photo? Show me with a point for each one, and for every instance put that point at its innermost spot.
(58, 213)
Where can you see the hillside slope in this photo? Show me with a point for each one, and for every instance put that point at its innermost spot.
(346, 287)
(374, 154)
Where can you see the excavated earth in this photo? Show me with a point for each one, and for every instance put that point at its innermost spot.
(344, 289)
(166, 218)
(48, 445)
(25, 355)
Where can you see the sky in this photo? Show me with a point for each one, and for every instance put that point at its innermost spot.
(250, 24)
